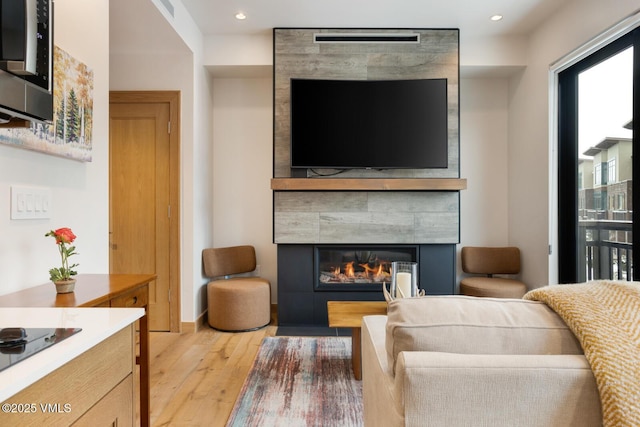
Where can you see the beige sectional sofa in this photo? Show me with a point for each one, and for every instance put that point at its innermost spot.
(465, 361)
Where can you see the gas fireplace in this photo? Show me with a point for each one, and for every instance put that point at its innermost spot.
(357, 268)
(308, 275)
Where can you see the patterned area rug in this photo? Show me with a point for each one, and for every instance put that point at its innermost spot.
(300, 381)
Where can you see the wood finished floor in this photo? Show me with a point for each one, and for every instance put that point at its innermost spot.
(196, 377)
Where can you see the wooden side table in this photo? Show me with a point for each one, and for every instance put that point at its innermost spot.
(100, 290)
(348, 314)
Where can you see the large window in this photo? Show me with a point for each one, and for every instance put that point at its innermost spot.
(598, 107)
(611, 170)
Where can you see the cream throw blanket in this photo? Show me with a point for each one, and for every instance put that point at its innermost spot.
(605, 317)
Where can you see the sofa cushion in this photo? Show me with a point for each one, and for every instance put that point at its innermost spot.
(461, 324)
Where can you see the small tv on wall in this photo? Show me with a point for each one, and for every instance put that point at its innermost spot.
(371, 124)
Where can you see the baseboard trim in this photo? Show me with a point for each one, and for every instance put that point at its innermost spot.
(193, 327)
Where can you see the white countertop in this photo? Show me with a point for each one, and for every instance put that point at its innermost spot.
(97, 324)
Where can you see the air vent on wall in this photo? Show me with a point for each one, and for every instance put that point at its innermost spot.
(366, 38)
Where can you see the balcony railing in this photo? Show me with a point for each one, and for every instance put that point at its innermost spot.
(606, 248)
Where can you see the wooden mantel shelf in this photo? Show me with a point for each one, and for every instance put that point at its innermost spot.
(368, 184)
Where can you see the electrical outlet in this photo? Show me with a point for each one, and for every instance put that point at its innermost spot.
(30, 202)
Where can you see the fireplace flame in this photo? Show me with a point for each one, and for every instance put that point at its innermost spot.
(379, 272)
(348, 270)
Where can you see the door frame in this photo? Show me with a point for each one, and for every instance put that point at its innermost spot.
(173, 99)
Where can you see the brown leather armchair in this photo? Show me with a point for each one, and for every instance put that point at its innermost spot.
(488, 262)
(237, 303)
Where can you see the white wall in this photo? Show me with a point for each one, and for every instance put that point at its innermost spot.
(79, 190)
(243, 167)
(574, 24)
(238, 51)
(197, 221)
(484, 151)
(201, 197)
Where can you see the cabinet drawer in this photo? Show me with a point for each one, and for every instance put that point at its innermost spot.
(135, 298)
(80, 383)
(115, 409)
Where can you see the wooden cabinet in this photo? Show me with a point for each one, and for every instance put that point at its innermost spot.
(100, 290)
(137, 298)
(114, 409)
(93, 389)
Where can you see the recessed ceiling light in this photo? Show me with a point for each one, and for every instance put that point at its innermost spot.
(241, 16)
(496, 17)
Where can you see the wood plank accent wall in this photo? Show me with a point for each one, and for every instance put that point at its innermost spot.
(371, 184)
(396, 214)
(365, 217)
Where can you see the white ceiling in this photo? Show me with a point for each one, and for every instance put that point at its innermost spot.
(138, 25)
(471, 16)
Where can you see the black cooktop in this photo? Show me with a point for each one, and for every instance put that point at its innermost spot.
(16, 344)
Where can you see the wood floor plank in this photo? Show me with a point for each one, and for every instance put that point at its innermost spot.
(175, 411)
(196, 377)
(165, 384)
(218, 393)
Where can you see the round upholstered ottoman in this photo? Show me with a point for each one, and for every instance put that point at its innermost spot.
(239, 304)
(492, 287)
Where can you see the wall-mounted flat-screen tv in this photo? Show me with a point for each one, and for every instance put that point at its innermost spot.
(372, 124)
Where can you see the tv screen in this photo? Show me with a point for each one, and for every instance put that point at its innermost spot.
(373, 124)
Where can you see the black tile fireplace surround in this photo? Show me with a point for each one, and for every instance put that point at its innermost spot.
(301, 303)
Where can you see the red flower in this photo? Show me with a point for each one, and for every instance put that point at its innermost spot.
(64, 235)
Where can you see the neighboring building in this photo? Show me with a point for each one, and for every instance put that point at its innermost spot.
(585, 188)
(605, 182)
(605, 188)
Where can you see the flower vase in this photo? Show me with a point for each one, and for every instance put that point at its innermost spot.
(65, 286)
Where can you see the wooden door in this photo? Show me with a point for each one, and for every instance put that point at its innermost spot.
(143, 207)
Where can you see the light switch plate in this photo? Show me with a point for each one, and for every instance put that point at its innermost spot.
(30, 202)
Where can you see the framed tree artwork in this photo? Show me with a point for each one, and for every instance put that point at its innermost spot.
(70, 133)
